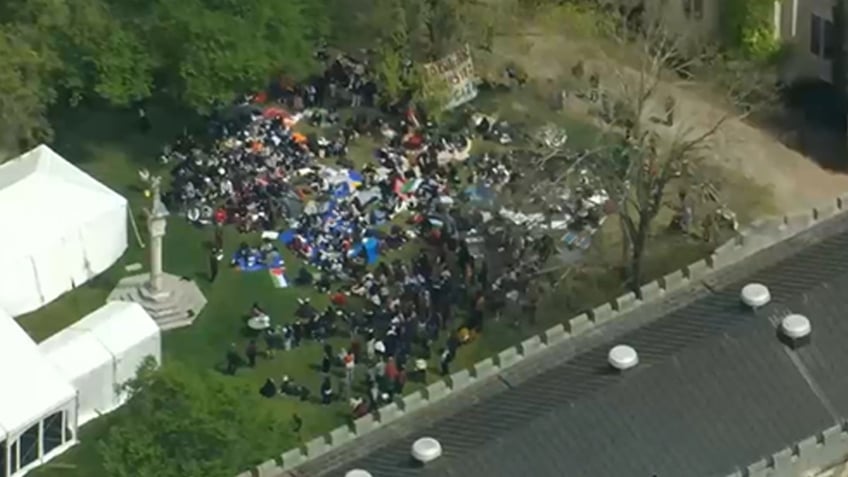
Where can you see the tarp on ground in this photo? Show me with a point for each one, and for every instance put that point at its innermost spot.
(370, 247)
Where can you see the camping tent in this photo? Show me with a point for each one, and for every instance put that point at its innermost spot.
(103, 350)
(62, 228)
(37, 406)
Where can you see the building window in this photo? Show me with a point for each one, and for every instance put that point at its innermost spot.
(829, 40)
(66, 422)
(822, 37)
(29, 445)
(693, 9)
(4, 472)
(815, 35)
(53, 431)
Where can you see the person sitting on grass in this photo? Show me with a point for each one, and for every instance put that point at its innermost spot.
(358, 407)
(305, 310)
(288, 387)
(323, 284)
(267, 247)
(256, 310)
(304, 277)
(242, 254)
(269, 389)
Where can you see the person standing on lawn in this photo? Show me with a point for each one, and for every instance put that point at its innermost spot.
(251, 353)
(326, 391)
(143, 121)
(350, 370)
(233, 360)
(213, 265)
(326, 364)
(445, 360)
(297, 425)
(218, 242)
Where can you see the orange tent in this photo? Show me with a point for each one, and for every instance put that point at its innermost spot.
(299, 138)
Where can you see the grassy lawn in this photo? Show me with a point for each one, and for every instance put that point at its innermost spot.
(108, 145)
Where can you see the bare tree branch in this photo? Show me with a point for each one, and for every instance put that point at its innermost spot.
(654, 153)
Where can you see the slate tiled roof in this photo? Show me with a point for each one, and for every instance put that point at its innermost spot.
(715, 390)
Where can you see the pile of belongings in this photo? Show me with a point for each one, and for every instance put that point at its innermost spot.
(552, 137)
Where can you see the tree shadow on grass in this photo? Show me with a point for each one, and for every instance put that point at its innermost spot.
(89, 132)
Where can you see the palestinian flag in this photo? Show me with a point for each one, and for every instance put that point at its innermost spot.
(278, 277)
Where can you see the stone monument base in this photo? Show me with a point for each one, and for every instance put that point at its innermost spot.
(177, 305)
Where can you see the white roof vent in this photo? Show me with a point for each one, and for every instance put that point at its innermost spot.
(755, 295)
(795, 330)
(426, 450)
(358, 473)
(623, 357)
(796, 326)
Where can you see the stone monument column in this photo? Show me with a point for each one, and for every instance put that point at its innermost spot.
(156, 225)
(172, 301)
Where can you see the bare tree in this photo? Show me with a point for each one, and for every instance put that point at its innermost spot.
(659, 146)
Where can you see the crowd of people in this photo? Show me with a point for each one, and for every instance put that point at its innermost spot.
(399, 317)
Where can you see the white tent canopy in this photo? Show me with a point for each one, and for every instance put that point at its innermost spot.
(37, 405)
(64, 228)
(102, 351)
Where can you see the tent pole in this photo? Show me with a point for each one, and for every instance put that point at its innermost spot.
(135, 228)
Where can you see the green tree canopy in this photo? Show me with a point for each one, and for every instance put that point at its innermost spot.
(214, 49)
(201, 52)
(181, 423)
(25, 89)
(748, 28)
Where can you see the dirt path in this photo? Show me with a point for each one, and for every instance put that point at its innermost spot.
(741, 149)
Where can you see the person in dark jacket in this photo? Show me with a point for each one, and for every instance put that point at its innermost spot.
(326, 391)
(233, 360)
(251, 353)
(326, 364)
(144, 123)
(213, 265)
(218, 243)
(269, 389)
(445, 360)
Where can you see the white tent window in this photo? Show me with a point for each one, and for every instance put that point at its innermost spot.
(30, 441)
(102, 351)
(54, 435)
(72, 229)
